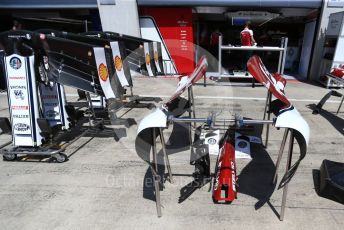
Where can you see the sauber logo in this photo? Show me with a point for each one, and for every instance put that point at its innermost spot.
(103, 72)
(15, 63)
(21, 127)
(156, 56)
(118, 63)
(147, 59)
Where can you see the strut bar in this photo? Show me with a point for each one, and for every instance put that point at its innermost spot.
(211, 121)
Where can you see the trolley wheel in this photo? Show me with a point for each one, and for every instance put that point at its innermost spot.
(61, 157)
(9, 157)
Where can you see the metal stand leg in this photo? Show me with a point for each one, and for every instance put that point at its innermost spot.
(162, 139)
(205, 80)
(340, 105)
(192, 114)
(267, 111)
(156, 176)
(88, 96)
(266, 105)
(285, 189)
(192, 103)
(131, 91)
(280, 154)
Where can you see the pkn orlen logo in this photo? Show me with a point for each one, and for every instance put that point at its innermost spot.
(118, 63)
(147, 58)
(103, 72)
(15, 63)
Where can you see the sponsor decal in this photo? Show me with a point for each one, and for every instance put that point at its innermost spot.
(217, 177)
(15, 63)
(18, 94)
(20, 116)
(17, 78)
(51, 114)
(156, 56)
(242, 144)
(211, 141)
(233, 175)
(18, 87)
(118, 63)
(147, 59)
(103, 72)
(20, 107)
(21, 127)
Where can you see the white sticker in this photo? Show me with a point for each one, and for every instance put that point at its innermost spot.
(18, 91)
(212, 140)
(118, 63)
(103, 72)
(50, 101)
(23, 101)
(147, 59)
(156, 56)
(242, 147)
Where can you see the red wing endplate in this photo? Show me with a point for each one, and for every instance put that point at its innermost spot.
(287, 115)
(275, 83)
(158, 118)
(186, 81)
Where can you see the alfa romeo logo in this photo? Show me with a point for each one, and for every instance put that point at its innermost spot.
(15, 63)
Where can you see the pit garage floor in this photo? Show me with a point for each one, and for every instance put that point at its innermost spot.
(102, 185)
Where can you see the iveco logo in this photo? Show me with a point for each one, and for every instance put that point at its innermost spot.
(21, 127)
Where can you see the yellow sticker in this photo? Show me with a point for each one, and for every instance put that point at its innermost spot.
(147, 59)
(156, 56)
(118, 63)
(103, 72)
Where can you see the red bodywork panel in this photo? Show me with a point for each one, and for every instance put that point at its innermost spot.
(338, 72)
(274, 83)
(225, 175)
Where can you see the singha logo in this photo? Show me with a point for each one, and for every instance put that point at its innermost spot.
(18, 94)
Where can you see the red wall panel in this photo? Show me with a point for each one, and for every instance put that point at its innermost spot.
(175, 25)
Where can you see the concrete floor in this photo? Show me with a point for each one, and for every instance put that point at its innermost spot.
(102, 184)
